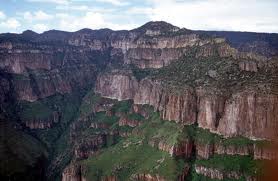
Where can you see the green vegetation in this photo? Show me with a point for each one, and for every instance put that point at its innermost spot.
(67, 105)
(141, 73)
(219, 75)
(156, 129)
(122, 106)
(124, 157)
(88, 102)
(20, 153)
(243, 164)
(131, 157)
(35, 111)
(204, 136)
(101, 117)
(135, 116)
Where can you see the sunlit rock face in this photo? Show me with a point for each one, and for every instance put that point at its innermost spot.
(36, 66)
(117, 85)
(243, 114)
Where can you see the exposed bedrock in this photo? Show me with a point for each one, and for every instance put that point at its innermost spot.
(73, 172)
(248, 114)
(38, 71)
(207, 150)
(43, 123)
(148, 177)
(89, 146)
(117, 86)
(221, 175)
(125, 121)
(180, 108)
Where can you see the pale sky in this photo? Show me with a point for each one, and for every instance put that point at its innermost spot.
(73, 15)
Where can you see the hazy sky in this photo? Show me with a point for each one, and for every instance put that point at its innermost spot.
(72, 15)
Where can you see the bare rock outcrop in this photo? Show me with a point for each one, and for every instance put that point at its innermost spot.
(251, 115)
(217, 174)
(89, 146)
(43, 123)
(205, 151)
(248, 114)
(116, 85)
(125, 121)
(148, 177)
(73, 172)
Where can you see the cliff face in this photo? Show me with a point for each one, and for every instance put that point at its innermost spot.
(251, 115)
(116, 86)
(42, 70)
(36, 66)
(243, 114)
(73, 173)
(57, 62)
(180, 108)
(43, 124)
(217, 174)
(89, 147)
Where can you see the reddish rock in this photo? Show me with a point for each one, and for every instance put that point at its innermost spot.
(148, 177)
(89, 146)
(217, 174)
(109, 178)
(248, 114)
(116, 85)
(73, 172)
(204, 150)
(265, 152)
(45, 123)
(183, 148)
(140, 109)
(124, 121)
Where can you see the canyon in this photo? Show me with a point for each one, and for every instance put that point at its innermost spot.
(154, 103)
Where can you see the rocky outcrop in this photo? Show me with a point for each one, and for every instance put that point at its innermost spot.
(234, 149)
(148, 177)
(125, 121)
(250, 66)
(45, 123)
(109, 178)
(265, 152)
(141, 109)
(182, 148)
(71, 173)
(39, 70)
(161, 145)
(116, 85)
(248, 114)
(217, 174)
(178, 107)
(205, 151)
(258, 151)
(98, 125)
(89, 146)
(251, 115)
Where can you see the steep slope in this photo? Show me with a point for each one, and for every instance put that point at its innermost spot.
(182, 98)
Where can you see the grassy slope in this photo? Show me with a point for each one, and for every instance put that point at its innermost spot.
(130, 157)
(125, 161)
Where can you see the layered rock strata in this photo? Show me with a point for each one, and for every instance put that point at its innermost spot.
(249, 114)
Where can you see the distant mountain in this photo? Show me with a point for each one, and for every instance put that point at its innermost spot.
(154, 103)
